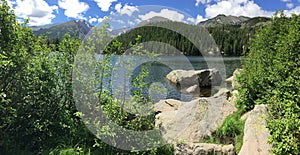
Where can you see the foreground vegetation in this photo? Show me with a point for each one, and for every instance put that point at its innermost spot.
(38, 113)
(37, 110)
(230, 132)
(271, 75)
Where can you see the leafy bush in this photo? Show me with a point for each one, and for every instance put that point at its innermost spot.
(36, 88)
(37, 108)
(271, 75)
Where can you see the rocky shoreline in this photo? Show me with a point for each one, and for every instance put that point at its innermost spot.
(184, 124)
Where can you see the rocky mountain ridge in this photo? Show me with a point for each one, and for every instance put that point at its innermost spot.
(240, 21)
(224, 20)
(74, 27)
(81, 27)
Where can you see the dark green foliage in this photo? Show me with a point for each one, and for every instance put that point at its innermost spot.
(37, 108)
(232, 41)
(271, 75)
(36, 91)
(158, 34)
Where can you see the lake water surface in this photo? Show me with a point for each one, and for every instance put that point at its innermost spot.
(159, 67)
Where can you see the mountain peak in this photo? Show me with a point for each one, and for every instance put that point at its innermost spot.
(222, 19)
(220, 15)
(154, 19)
(82, 21)
(74, 27)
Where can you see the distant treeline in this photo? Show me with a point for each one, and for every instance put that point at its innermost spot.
(231, 40)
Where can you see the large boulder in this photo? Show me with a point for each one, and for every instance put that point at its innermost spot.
(191, 121)
(203, 149)
(195, 78)
(256, 133)
(233, 79)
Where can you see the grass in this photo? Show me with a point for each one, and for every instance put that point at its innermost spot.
(230, 132)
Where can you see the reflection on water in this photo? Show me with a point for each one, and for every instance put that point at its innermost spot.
(159, 67)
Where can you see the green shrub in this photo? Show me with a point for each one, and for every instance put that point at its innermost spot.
(271, 75)
(37, 108)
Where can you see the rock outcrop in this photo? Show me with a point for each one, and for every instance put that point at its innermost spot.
(256, 133)
(191, 121)
(191, 81)
(233, 79)
(185, 123)
(203, 149)
(222, 20)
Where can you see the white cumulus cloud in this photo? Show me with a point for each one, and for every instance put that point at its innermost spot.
(104, 5)
(95, 19)
(202, 2)
(92, 20)
(236, 8)
(118, 6)
(131, 23)
(126, 9)
(100, 19)
(296, 10)
(119, 21)
(166, 13)
(73, 8)
(38, 11)
(289, 5)
(196, 20)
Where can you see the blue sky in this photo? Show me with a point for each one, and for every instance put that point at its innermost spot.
(124, 13)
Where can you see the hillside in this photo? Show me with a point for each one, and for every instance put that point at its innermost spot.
(223, 20)
(256, 21)
(231, 33)
(153, 20)
(74, 27)
(240, 22)
(81, 27)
